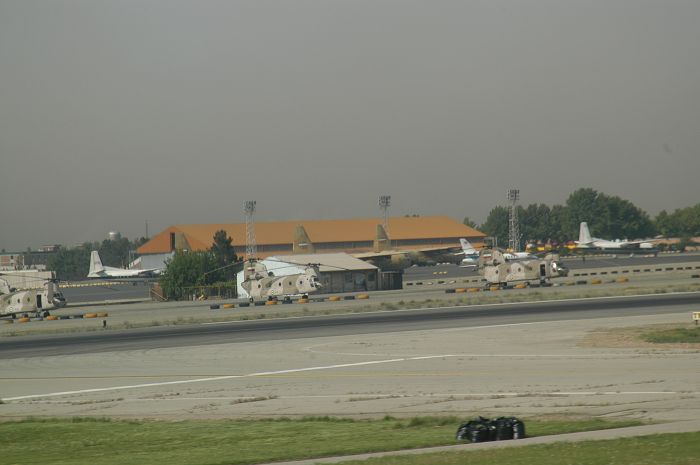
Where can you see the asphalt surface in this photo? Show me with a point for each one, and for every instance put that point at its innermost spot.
(574, 263)
(313, 327)
(91, 292)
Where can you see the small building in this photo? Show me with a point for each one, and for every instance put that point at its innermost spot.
(11, 260)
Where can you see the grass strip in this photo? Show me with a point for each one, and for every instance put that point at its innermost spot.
(98, 441)
(674, 335)
(659, 449)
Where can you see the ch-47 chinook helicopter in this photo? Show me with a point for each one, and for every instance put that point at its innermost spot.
(31, 301)
(497, 269)
(260, 283)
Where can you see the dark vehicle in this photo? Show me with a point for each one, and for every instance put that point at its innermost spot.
(483, 429)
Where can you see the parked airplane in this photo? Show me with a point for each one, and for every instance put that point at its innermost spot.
(519, 256)
(471, 255)
(97, 270)
(586, 242)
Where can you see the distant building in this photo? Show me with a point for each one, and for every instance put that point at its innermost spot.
(11, 260)
(327, 236)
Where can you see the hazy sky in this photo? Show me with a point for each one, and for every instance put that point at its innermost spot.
(117, 112)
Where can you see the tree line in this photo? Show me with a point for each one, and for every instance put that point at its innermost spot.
(74, 263)
(609, 217)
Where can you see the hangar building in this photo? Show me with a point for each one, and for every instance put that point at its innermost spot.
(327, 236)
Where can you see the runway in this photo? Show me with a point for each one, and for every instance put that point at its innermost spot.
(520, 359)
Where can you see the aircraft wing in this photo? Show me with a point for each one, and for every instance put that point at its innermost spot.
(412, 254)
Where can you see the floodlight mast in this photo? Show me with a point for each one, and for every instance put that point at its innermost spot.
(384, 202)
(513, 225)
(251, 248)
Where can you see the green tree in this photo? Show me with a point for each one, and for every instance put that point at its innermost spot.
(71, 263)
(115, 252)
(469, 222)
(224, 254)
(682, 222)
(496, 225)
(187, 270)
(610, 217)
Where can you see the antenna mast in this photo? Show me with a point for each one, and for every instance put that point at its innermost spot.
(251, 248)
(513, 225)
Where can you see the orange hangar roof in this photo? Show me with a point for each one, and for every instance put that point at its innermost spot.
(200, 236)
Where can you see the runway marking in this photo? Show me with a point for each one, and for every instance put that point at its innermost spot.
(279, 372)
(219, 378)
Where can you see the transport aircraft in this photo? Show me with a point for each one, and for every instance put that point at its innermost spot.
(588, 243)
(97, 270)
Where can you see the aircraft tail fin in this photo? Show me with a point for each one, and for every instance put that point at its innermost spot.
(584, 235)
(467, 248)
(302, 243)
(95, 263)
(381, 241)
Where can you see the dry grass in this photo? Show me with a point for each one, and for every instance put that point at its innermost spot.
(631, 337)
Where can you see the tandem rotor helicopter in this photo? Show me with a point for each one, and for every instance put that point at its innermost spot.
(25, 302)
(495, 266)
(260, 283)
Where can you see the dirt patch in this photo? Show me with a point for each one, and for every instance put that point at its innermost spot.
(630, 337)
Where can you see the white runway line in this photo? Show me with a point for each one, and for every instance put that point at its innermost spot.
(218, 378)
(308, 369)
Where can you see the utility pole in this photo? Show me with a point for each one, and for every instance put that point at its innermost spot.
(513, 225)
(384, 202)
(251, 248)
